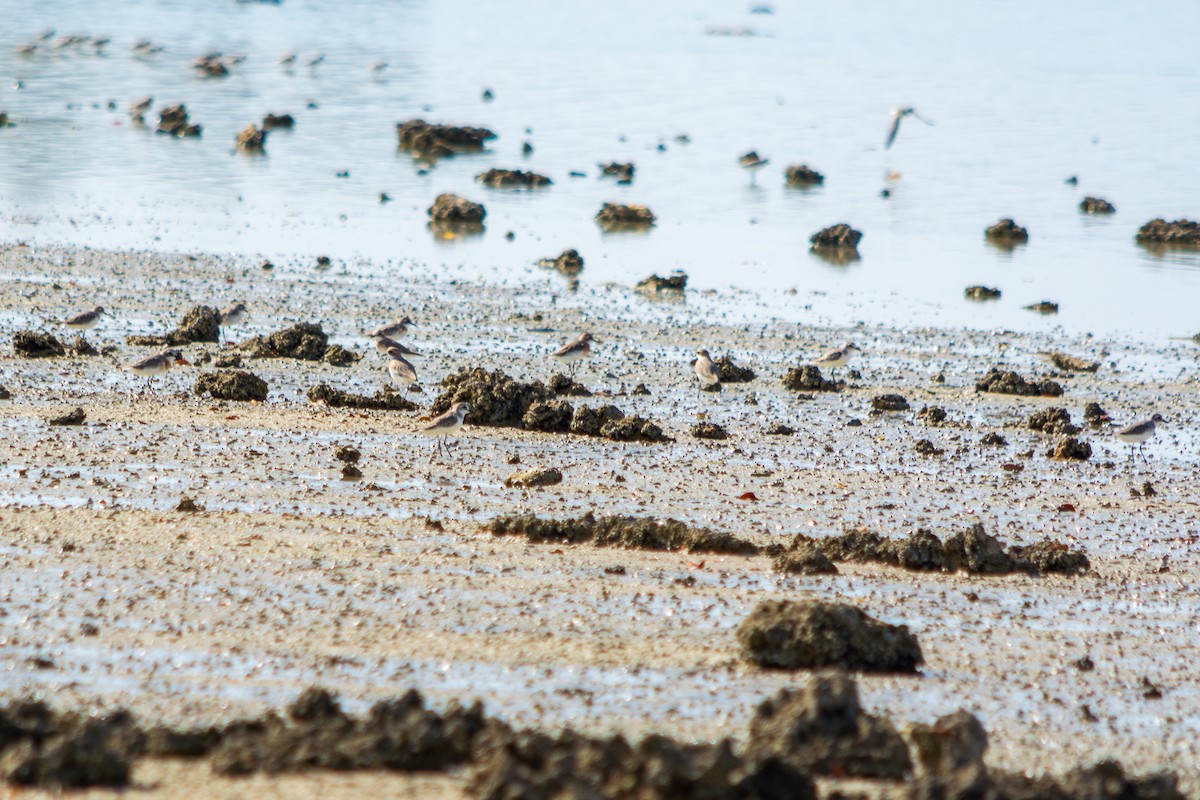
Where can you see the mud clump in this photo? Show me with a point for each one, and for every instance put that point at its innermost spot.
(512, 179)
(29, 344)
(1047, 556)
(5, 394)
(623, 172)
(496, 399)
(657, 284)
(1069, 363)
(925, 447)
(805, 634)
(1008, 382)
(252, 139)
(1070, 449)
(386, 399)
(822, 729)
(547, 476)
(1043, 307)
(1094, 414)
(75, 416)
(233, 384)
(450, 209)
(889, 402)
(709, 430)
(1180, 232)
(338, 356)
(562, 385)
(305, 341)
(347, 454)
(199, 324)
(1096, 205)
(615, 216)
(590, 421)
(635, 533)
(548, 416)
(803, 175)
(431, 141)
(732, 373)
(173, 121)
(1006, 232)
(282, 121)
(950, 753)
(39, 747)
(993, 439)
(808, 378)
(1054, 421)
(568, 263)
(981, 293)
(932, 415)
(634, 429)
(804, 557)
(779, 429)
(840, 237)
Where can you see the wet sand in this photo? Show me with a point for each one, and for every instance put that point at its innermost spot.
(291, 576)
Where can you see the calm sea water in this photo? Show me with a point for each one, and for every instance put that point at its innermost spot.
(1023, 94)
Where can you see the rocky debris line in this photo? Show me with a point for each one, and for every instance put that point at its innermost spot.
(199, 324)
(1008, 382)
(623, 172)
(1044, 307)
(30, 344)
(972, 550)
(75, 416)
(1068, 363)
(563, 386)
(836, 237)
(252, 139)
(1096, 205)
(637, 533)
(450, 209)
(305, 341)
(932, 415)
(808, 378)
(821, 729)
(282, 121)
(889, 402)
(232, 384)
(925, 447)
(616, 216)
(546, 476)
(1054, 421)
(803, 175)
(810, 634)
(982, 293)
(1006, 232)
(436, 141)
(40, 747)
(512, 179)
(1180, 232)
(804, 558)
(1070, 449)
(386, 399)
(657, 284)
(732, 373)
(709, 430)
(173, 120)
(569, 263)
(498, 400)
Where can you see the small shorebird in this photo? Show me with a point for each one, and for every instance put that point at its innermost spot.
(403, 373)
(86, 320)
(159, 364)
(574, 350)
(139, 107)
(446, 424)
(897, 115)
(706, 370)
(393, 330)
(838, 358)
(384, 344)
(752, 164)
(232, 315)
(1139, 433)
(286, 60)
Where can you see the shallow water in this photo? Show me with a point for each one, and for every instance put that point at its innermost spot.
(1023, 95)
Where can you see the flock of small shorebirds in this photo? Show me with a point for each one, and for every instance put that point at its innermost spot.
(386, 338)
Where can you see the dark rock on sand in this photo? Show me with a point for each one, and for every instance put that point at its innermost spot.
(1048, 556)
(1054, 421)
(338, 356)
(982, 293)
(1094, 414)
(495, 398)
(1069, 363)
(1008, 382)
(436, 141)
(283, 121)
(1044, 307)
(807, 634)
(252, 139)
(569, 263)
(821, 728)
(638, 533)
(199, 324)
(623, 172)
(512, 179)
(779, 429)
(656, 284)
(709, 430)
(925, 447)
(452, 209)
(546, 476)
(5, 394)
(808, 378)
(39, 747)
(1096, 205)
(549, 416)
(562, 385)
(589, 421)
(29, 344)
(977, 552)
(1180, 232)
(1070, 449)
(173, 120)
(1006, 231)
(993, 440)
(732, 373)
(804, 557)
(347, 454)
(950, 752)
(932, 415)
(889, 402)
(233, 384)
(634, 429)
(615, 216)
(75, 416)
(803, 175)
(386, 399)
(839, 237)
(305, 341)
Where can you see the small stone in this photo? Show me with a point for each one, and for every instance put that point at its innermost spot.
(1096, 205)
(836, 237)
(75, 416)
(350, 472)
(779, 429)
(1044, 307)
(993, 439)
(927, 448)
(803, 175)
(981, 293)
(347, 454)
(709, 430)
(889, 402)
(1007, 231)
(544, 476)
(1070, 449)
(188, 505)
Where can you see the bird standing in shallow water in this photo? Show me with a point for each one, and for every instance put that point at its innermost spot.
(752, 163)
(447, 424)
(706, 370)
(897, 115)
(1139, 433)
(575, 350)
(838, 358)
